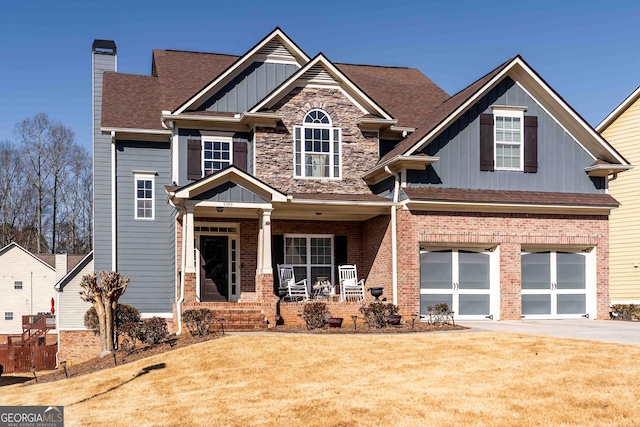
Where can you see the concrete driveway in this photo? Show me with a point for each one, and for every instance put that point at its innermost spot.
(597, 330)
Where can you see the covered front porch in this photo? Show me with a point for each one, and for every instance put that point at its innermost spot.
(234, 230)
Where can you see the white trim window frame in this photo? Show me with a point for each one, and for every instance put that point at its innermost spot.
(312, 256)
(144, 188)
(217, 153)
(317, 147)
(508, 139)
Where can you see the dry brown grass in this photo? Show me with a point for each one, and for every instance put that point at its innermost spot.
(449, 379)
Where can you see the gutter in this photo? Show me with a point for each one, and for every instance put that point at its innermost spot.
(394, 239)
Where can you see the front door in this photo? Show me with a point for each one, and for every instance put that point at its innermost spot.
(554, 285)
(459, 278)
(214, 268)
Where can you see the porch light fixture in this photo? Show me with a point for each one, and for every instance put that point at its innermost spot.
(220, 209)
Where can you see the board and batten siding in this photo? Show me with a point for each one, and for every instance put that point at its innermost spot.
(38, 280)
(561, 160)
(72, 307)
(101, 168)
(146, 248)
(624, 227)
(249, 87)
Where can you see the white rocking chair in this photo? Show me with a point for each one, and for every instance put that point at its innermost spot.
(351, 289)
(295, 290)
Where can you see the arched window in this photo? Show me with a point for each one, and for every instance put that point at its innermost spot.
(317, 147)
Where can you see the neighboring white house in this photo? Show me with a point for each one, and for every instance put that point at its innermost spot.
(26, 284)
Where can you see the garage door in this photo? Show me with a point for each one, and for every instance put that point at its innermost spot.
(554, 285)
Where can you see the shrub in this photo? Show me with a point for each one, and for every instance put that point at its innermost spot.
(199, 321)
(440, 313)
(625, 311)
(376, 314)
(152, 331)
(315, 315)
(130, 331)
(124, 314)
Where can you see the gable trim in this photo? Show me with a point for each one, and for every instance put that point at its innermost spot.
(366, 103)
(618, 111)
(14, 244)
(73, 272)
(244, 179)
(242, 61)
(530, 73)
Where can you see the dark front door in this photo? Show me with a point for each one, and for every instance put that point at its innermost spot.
(214, 268)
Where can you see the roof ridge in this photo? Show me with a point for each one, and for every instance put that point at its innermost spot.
(377, 66)
(195, 51)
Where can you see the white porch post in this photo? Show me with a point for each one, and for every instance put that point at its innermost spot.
(187, 233)
(264, 243)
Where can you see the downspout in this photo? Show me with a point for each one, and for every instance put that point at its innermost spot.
(184, 263)
(113, 202)
(58, 328)
(394, 249)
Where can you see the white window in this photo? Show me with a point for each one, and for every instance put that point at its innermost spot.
(317, 147)
(217, 153)
(144, 196)
(509, 135)
(8, 315)
(311, 256)
(17, 284)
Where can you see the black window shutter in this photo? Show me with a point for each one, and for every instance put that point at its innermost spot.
(194, 159)
(486, 142)
(341, 256)
(530, 144)
(277, 257)
(240, 155)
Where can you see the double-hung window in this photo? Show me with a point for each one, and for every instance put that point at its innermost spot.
(509, 139)
(317, 147)
(144, 192)
(217, 153)
(8, 315)
(17, 284)
(310, 255)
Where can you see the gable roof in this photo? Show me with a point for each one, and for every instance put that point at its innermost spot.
(137, 102)
(321, 63)
(15, 245)
(73, 272)
(277, 34)
(520, 71)
(619, 110)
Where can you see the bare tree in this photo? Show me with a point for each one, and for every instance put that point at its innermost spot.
(104, 295)
(34, 139)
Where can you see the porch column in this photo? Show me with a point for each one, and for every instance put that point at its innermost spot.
(264, 243)
(187, 233)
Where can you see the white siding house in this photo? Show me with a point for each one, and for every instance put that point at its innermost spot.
(26, 285)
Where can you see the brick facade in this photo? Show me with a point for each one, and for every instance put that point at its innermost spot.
(508, 231)
(78, 346)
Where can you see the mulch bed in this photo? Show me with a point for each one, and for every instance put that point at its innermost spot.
(120, 357)
(363, 328)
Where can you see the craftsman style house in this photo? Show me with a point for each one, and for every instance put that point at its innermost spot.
(215, 169)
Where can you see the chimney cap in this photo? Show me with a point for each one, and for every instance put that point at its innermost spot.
(104, 46)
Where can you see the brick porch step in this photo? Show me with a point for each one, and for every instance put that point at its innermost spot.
(240, 319)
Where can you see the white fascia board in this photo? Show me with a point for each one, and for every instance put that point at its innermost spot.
(624, 105)
(459, 111)
(320, 201)
(238, 205)
(221, 79)
(396, 164)
(136, 130)
(568, 110)
(503, 207)
(605, 170)
(322, 60)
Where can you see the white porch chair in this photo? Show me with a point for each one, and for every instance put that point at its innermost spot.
(351, 289)
(295, 290)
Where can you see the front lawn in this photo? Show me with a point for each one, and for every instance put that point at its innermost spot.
(447, 379)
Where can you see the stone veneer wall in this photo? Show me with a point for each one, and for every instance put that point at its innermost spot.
(511, 232)
(275, 149)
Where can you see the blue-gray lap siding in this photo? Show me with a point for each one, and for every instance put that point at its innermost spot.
(101, 168)
(146, 248)
(250, 87)
(185, 134)
(561, 161)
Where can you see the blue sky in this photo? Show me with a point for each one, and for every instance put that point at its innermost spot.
(587, 51)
